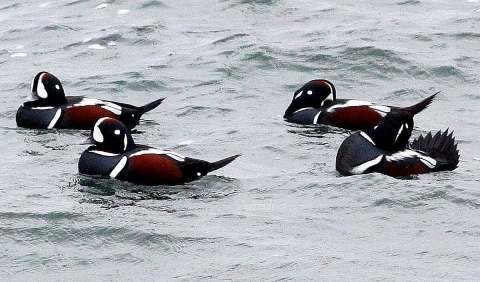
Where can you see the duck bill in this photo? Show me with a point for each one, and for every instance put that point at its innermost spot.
(32, 97)
(88, 141)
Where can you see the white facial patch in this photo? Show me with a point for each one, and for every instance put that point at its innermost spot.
(298, 95)
(365, 135)
(55, 119)
(171, 154)
(309, 92)
(366, 165)
(120, 165)
(57, 86)
(41, 92)
(117, 132)
(97, 133)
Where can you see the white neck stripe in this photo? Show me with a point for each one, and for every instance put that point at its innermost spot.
(120, 165)
(55, 119)
(368, 138)
(366, 165)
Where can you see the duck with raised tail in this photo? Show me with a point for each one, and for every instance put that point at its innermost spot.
(115, 155)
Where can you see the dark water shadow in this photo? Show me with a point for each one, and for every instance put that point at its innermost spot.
(112, 193)
(317, 131)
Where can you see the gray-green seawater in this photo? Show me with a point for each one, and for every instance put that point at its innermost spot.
(228, 70)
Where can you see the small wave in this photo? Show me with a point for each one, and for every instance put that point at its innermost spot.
(152, 4)
(51, 216)
(193, 110)
(146, 29)
(95, 236)
(409, 2)
(58, 27)
(112, 193)
(419, 200)
(230, 38)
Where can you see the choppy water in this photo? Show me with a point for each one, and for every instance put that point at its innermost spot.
(228, 70)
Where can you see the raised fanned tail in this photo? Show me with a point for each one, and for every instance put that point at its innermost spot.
(441, 147)
(415, 109)
(221, 163)
(150, 106)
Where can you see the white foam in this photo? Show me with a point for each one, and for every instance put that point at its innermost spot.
(186, 143)
(101, 6)
(123, 11)
(18, 55)
(97, 47)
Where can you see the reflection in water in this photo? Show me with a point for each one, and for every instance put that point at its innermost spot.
(113, 193)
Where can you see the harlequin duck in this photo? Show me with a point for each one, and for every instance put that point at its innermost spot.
(50, 108)
(316, 103)
(385, 149)
(116, 155)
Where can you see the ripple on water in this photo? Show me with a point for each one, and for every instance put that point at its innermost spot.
(112, 193)
(152, 4)
(210, 111)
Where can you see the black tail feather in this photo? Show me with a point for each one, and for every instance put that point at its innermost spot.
(415, 109)
(441, 147)
(152, 105)
(221, 163)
